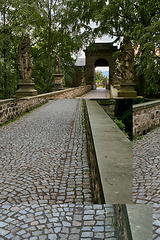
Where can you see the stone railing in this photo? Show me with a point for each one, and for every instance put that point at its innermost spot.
(146, 116)
(110, 157)
(11, 108)
(133, 221)
(68, 93)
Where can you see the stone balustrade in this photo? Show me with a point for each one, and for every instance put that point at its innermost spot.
(146, 116)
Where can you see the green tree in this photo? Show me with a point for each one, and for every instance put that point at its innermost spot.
(53, 33)
(141, 20)
(50, 30)
(99, 77)
(15, 19)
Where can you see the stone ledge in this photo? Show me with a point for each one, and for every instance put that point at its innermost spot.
(140, 220)
(4, 101)
(142, 106)
(113, 154)
(134, 221)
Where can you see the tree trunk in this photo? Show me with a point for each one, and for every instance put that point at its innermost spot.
(4, 55)
(49, 44)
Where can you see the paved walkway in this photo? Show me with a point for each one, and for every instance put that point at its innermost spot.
(146, 174)
(44, 178)
(98, 93)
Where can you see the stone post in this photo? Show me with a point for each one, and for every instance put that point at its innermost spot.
(25, 66)
(126, 69)
(58, 75)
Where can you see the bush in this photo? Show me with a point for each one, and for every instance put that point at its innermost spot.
(121, 125)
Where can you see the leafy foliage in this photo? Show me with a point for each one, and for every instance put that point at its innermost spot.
(99, 77)
(65, 26)
(141, 20)
(51, 31)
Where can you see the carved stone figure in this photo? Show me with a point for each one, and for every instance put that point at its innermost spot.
(125, 71)
(58, 76)
(127, 60)
(58, 63)
(117, 72)
(25, 66)
(24, 61)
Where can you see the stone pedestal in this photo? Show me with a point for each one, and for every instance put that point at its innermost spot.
(58, 81)
(26, 88)
(116, 85)
(127, 90)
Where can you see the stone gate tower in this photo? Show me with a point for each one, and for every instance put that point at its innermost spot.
(100, 55)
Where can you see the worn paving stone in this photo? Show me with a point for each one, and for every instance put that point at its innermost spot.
(146, 175)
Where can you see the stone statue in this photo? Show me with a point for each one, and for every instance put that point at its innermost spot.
(117, 72)
(58, 63)
(126, 60)
(125, 71)
(24, 61)
(25, 66)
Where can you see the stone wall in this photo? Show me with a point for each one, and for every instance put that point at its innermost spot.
(146, 116)
(109, 153)
(11, 108)
(108, 106)
(123, 231)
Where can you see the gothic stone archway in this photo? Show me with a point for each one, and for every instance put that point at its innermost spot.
(100, 55)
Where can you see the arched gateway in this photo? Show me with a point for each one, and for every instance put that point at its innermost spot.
(100, 56)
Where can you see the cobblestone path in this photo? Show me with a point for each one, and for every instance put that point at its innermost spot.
(50, 222)
(146, 175)
(98, 94)
(44, 178)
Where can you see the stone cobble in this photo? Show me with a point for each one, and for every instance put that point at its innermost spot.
(43, 156)
(146, 174)
(45, 179)
(63, 221)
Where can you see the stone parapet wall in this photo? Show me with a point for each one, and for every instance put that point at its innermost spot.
(96, 185)
(146, 116)
(11, 108)
(123, 231)
(110, 157)
(68, 93)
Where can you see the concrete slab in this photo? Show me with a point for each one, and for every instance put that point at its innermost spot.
(140, 220)
(114, 156)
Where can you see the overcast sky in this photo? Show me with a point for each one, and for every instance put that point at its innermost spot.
(104, 39)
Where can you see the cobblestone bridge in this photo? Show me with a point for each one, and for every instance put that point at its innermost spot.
(45, 178)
